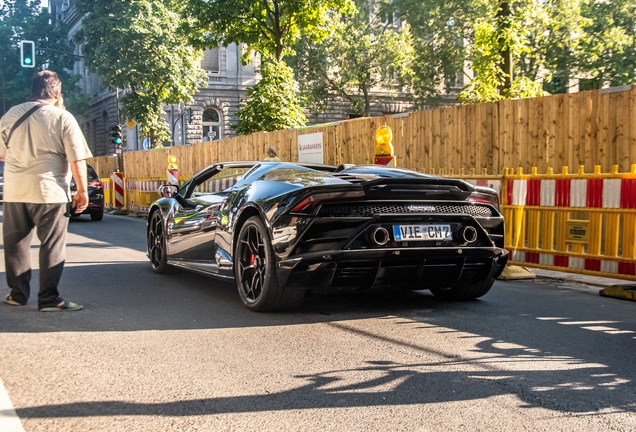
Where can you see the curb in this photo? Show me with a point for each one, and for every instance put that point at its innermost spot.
(627, 292)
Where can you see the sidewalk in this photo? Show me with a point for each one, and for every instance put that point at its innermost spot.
(601, 282)
(607, 287)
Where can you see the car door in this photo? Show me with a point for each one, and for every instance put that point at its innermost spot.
(192, 229)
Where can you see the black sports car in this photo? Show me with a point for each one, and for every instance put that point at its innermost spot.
(281, 229)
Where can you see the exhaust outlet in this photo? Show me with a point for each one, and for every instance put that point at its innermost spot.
(469, 234)
(379, 236)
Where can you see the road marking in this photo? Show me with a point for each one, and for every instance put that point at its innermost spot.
(9, 420)
(582, 323)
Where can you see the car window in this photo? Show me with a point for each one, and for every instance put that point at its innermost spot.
(220, 181)
(92, 175)
(1, 168)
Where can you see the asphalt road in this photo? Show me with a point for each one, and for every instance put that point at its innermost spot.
(181, 353)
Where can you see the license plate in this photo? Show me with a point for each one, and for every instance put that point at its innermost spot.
(422, 232)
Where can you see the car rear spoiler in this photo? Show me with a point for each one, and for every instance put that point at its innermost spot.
(404, 188)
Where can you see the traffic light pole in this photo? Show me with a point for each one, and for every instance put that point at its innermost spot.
(119, 153)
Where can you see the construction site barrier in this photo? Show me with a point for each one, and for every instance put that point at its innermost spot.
(483, 179)
(141, 193)
(579, 223)
(109, 192)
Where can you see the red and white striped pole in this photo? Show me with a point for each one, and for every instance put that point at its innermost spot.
(118, 180)
(173, 171)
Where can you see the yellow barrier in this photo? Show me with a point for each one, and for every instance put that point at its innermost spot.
(109, 192)
(579, 223)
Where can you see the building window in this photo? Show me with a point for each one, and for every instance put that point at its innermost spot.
(211, 125)
(211, 60)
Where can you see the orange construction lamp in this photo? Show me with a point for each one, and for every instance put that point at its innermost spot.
(383, 147)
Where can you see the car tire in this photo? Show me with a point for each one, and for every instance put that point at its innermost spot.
(255, 271)
(157, 244)
(97, 216)
(464, 291)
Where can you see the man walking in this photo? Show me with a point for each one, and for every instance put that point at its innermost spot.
(39, 140)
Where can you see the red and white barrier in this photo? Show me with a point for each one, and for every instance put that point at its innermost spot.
(173, 177)
(118, 180)
(218, 185)
(591, 193)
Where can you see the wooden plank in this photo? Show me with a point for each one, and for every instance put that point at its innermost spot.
(549, 129)
(535, 128)
(574, 145)
(602, 116)
(561, 132)
(436, 132)
(622, 132)
(505, 135)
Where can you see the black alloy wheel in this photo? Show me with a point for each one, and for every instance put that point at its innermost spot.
(255, 270)
(157, 244)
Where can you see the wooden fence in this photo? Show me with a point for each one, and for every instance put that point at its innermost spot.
(580, 129)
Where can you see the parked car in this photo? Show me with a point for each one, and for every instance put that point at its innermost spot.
(95, 195)
(282, 229)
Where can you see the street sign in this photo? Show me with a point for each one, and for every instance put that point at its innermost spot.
(131, 124)
(146, 143)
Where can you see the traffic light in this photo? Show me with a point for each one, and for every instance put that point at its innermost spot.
(27, 54)
(189, 115)
(115, 135)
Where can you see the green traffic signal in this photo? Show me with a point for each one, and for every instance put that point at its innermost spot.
(27, 53)
(115, 135)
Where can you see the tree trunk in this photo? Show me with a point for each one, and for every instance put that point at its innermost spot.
(503, 16)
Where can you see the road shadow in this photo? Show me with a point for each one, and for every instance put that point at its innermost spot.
(514, 324)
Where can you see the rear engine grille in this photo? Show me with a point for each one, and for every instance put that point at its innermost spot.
(368, 210)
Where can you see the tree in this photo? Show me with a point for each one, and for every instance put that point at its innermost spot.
(273, 103)
(364, 52)
(606, 53)
(139, 46)
(269, 27)
(25, 20)
(487, 36)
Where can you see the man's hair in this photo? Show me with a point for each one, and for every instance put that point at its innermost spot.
(270, 151)
(46, 85)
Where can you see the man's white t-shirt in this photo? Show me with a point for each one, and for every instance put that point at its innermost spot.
(37, 161)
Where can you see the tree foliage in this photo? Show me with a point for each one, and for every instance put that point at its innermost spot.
(273, 103)
(139, 46)
(269, 27)
(25, 20)
(364, 52)
(554, 44)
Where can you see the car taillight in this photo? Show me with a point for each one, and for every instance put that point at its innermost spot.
(483, 198)
(308, 204)
(97, 184)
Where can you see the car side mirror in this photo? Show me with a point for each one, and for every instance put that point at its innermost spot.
(168, 190)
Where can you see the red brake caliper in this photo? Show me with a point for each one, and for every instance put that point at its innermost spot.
(252, 259)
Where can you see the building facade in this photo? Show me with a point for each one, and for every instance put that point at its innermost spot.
(208, 117)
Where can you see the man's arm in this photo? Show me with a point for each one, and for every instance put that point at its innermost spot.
(80, 199)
